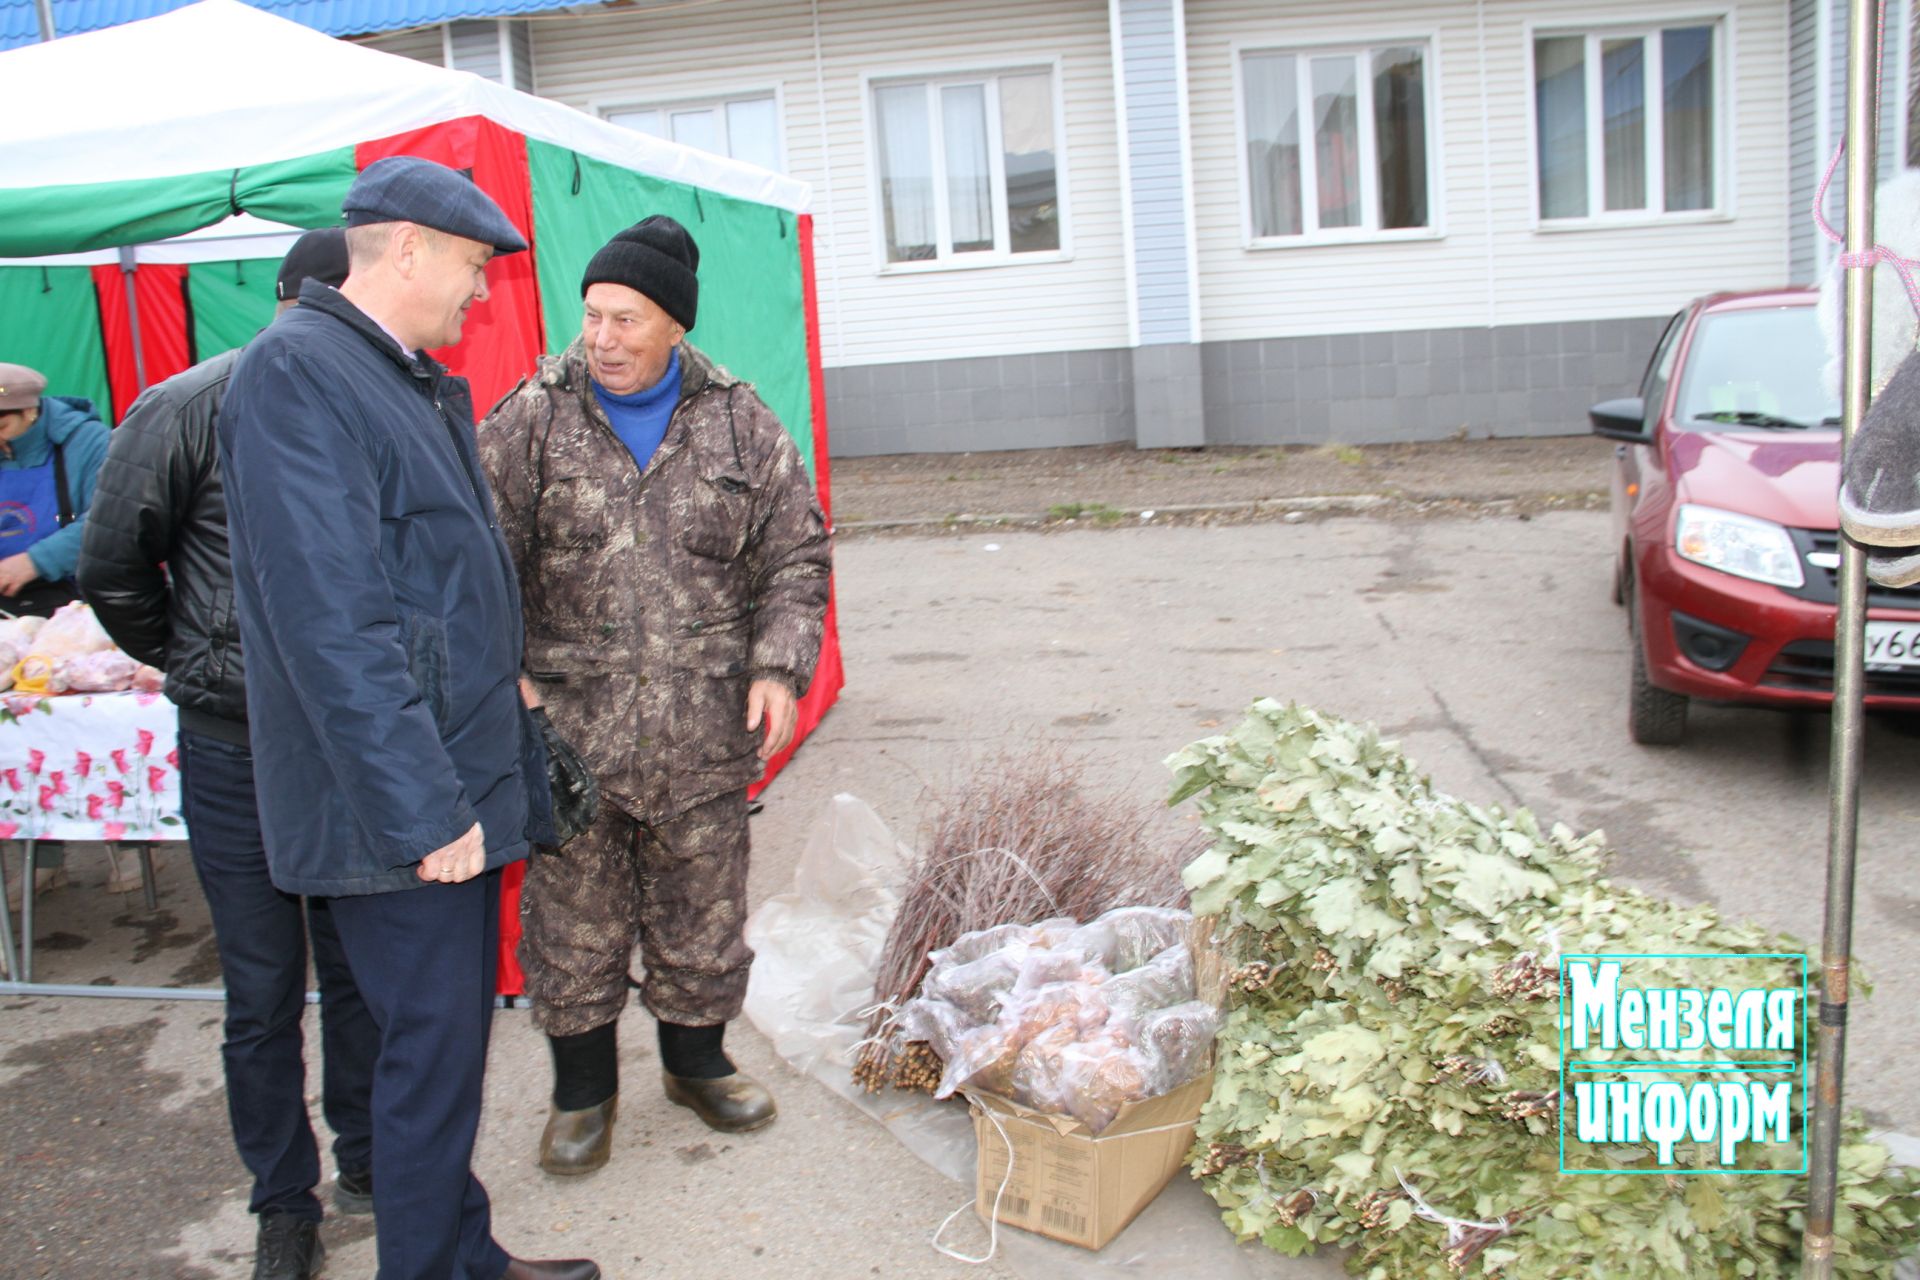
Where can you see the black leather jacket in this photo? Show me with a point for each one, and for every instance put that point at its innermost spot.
(153, 563)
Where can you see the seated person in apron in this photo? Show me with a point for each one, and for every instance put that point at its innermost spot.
(51, 448)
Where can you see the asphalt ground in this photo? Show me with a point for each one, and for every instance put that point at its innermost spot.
(1485, 641)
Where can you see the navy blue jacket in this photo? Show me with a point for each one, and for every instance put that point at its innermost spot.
(378, 609)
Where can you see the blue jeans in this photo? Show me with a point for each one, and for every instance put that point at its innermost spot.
(426, 959)
(263, 956)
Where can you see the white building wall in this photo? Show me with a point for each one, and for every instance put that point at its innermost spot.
(815, 58)
(422, 44)
(1490, 264)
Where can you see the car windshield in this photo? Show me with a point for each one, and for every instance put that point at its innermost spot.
(1761, 368)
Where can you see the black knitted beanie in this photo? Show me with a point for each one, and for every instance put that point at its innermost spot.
(654, 256)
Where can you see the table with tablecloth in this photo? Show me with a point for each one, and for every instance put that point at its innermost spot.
(89, 766)
(106, 767)
(85, 766)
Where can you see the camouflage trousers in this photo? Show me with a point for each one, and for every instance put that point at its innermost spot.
(678, 888)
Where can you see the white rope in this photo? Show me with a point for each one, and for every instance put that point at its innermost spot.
(993, 1219)
(882, 1035)
(1455, 1226)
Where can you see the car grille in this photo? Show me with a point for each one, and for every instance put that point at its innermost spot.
(1822, 583)
(1808, 664)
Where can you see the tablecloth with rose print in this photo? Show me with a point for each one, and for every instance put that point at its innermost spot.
(99, 766)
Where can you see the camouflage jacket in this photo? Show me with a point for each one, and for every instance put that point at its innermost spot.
(654, 598)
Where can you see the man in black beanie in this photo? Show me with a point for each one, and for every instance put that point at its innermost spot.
(674, 561)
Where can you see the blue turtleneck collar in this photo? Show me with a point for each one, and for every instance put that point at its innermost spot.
(640, 419)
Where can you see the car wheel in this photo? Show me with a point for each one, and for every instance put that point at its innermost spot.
(1655, 717)
(1619, 592)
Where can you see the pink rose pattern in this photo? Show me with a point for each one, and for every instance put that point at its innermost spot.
(83, 790)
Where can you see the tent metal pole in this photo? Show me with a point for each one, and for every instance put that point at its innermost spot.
(129, 265)
(1849, 719)
(44, 10)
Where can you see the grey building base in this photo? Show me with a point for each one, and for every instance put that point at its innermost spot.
(1375, 388)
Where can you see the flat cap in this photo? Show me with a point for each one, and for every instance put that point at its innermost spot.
(409, 189)
(20, 387)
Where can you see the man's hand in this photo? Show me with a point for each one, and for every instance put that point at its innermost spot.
(772, 701)
(16, 571)
(530, 698)
(464, 859)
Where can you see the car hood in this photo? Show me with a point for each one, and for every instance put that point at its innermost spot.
(1792, 479)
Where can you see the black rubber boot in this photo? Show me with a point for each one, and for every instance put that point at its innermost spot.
(699, 1076)
(586, 1098)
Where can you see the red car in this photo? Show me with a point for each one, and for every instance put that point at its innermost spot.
(1725, 480)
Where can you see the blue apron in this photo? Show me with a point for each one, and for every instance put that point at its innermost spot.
(33, 505)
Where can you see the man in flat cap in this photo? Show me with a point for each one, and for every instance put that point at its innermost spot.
(154, 567)
(675, 562)
(395, 765)
(51, 448)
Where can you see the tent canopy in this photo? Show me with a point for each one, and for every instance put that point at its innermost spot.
(218, 108)
(218, 129)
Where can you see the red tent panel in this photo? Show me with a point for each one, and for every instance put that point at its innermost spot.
(503, 335)
(160, 293)
(829, 676)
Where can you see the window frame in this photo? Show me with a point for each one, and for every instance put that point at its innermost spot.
(603, 108)
(1647, 26)
(1428, 42)
(934, 78)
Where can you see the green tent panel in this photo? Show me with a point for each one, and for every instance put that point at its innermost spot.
(53, 325)
(305, 192)
(750, 280)
(231, 301)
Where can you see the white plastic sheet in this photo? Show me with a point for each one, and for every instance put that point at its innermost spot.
(817, 948)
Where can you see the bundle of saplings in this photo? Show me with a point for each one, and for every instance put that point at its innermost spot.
(1388, 1070)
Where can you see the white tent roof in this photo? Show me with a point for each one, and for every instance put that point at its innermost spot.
(218, 85)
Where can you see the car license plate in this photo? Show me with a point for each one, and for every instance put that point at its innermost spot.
(1893, 646)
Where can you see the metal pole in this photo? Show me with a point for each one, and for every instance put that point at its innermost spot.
(128, 266)
(1843, 820)
(44, 8)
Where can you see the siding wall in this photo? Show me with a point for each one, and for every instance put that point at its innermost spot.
(1491, 266)
(1156, 176)
(1804, 142)
(476, 48)
(422, 44)
(869, 316)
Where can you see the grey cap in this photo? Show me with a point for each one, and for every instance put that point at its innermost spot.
(20, 387)
(409, 189)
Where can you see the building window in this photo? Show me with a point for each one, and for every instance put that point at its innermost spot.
(1626, 122)
(1337, 142)
(968, 167)
(745, 128)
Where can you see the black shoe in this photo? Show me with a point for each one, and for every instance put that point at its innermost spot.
(1880, 480)
(287, 1248)
(551, 1269)
(353, 1191)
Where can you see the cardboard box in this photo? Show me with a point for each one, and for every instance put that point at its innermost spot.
(1068, 1184)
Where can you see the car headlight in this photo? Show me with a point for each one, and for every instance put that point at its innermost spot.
(1744, 546)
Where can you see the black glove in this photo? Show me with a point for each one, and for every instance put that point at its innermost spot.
(576, 796)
